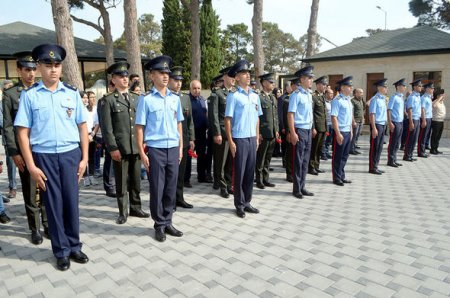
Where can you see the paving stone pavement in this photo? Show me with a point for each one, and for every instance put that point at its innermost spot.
(381, 236)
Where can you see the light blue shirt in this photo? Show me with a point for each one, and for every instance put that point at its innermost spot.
(397, 107)
(342, 108)
(378, 108)
(300, 103)
(413, 102)
(425, 102)
(244, 109)
(52, 117)
(160, 116)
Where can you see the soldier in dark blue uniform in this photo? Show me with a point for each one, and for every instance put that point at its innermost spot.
(396, 112)
(378, 118)
(52, 133)
(242, 128)
(413, 108)
(26, 68)
(158, 124)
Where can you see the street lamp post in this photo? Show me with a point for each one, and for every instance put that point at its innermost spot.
(385, 16)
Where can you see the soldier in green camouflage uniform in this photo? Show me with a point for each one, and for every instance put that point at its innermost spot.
(217, 102)
(268, 129)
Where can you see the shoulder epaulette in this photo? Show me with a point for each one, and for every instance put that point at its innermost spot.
(32, 86)
(9, 88)
(184, 93)
(233, 89)
(136, 93)
(70, 86)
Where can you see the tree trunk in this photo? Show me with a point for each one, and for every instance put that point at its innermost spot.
(132, 39)
(258, 52)
(107, 36)
(64, 37)
(312, 29)
(195, 39)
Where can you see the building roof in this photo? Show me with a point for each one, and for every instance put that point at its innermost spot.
(19, 36)
(421, 40)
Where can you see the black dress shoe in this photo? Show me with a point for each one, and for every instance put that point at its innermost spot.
(357, 147)
(427, 148)
(36, 237)
(240, 213)
(121, 219)
(184, 204)
(307, 193)
(173, 232)
(320, 171)
(187, 184)
(402, 148)
(46, 233)
(313, 172)
(111, 194)
(260, 185)
(423, 155)
(408, 159)
(5, 199)
(268, 184)
(298, 195)
(357, 152)
(338, 182)
(63, 263)
(398, 164)
(216, 185)
(159, 234)
(251, 209)
(346, 181)
(139, 213)
(289, 179)
(439, 152)
(392, 164)
(4, 218)
(230, 190)
(434, 152)
(271, 169)
(352, 153)
(375, 171)
(79, 257)
(224, 193)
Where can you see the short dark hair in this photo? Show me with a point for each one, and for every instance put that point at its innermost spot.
(133, 75)
(134, 85)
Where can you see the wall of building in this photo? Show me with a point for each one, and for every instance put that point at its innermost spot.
(394, 68)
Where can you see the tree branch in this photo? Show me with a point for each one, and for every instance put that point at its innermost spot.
(90, 24)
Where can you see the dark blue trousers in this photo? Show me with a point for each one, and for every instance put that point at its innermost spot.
(244, 163)
(394, 141)
(61, 199)
(163, 183)
(405, 131)
(340, 156)
(424, 134)
(301, 158)
(376, 146)
(411, 139)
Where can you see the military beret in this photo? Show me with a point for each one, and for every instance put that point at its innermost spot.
(347, 81)
(267, 77)
(417, 83)
(48, 53)
(429, 85)
(217, 78)
(240, 66)
(177, 73)
(25, 59)
(322, 80)
(381, 83)
(160, 63)
(400, 82)
(305, 71)
(119, 68)
(225, 70)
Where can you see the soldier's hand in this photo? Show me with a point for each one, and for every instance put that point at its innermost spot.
(314, 133)
(1, 169)
(218, 140)
(411, 126)
(424, 124)
(391, 126)
(115, 155)
(180, 155)
(233, 149)
(374, 133)
(294, 138)
(81, 169)
(191, 145)
(19, 162)
(39, 177)
(339, 138)
(277, 135)
(145, 162)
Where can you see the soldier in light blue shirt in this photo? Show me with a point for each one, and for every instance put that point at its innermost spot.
(377, 117)
(413, 108)
(158, 125)
(342, 121)
(426, 115)
(51, 124)
(242, 128)
(300, 121)
(395, 115)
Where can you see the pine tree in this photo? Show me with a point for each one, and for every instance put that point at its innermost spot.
(211, 54)
(185, 44)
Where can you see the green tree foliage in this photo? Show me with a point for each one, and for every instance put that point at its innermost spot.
(185, 47)
(238, 41)
(435, 13)
(211, 53)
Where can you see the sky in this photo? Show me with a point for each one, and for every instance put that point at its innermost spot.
(339, 20)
